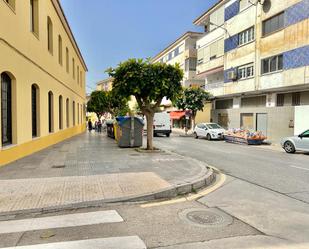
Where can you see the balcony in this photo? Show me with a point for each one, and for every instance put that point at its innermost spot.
(211, 64)
(190, 53)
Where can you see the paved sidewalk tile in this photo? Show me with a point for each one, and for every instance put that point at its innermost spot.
(33, 193)
(90, 167)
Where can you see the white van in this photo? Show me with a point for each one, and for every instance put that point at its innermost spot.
(161, 124)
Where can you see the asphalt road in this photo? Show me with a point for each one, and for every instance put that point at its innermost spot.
(275, 170)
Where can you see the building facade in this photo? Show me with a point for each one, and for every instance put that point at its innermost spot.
(42, 98)
(254, 58)
(105, 85)
(183, 51)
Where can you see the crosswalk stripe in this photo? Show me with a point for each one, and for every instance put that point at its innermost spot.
(61, 221)
(130, 242)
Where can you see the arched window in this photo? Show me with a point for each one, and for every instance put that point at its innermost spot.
(67, 62)
(73, 68)
(34, 16)
(81, 78)
(77, 75)
(35, 110)
(50, 112)
(60, 50)
(77, 113)
(6, 109)
(73, 113)
(67, 113)
(60, 113)
(49, 35)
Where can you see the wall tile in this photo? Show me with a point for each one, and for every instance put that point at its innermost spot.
(231, 11)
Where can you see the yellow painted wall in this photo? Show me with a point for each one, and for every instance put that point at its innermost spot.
(205, 115)
(16, 152)
(25, 57)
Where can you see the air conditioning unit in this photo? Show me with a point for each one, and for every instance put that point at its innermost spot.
(232, 75)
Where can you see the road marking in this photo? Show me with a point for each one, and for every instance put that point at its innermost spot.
(70, 220)
(296, 167)
(207, 191)
(130, 242)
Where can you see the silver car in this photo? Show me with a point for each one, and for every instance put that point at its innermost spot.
(292, 144)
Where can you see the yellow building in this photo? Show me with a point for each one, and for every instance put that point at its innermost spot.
(105, 85)
(42, 71)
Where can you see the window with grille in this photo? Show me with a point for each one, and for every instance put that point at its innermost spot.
(67, 113)
(34, 108)
(6, 109)
(50, 112)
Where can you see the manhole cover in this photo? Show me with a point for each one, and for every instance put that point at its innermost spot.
(206, 217)
(58, 166)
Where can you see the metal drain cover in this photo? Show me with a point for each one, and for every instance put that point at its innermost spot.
(210, 217)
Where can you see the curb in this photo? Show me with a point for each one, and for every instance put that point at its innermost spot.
(166, 193)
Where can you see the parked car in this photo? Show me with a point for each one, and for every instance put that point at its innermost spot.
(295, 143)
(209, 130)
(161, 124)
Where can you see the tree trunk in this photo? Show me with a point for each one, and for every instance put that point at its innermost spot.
(193, 120)
(149, 117)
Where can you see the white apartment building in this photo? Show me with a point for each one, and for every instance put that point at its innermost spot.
(183, 51)
(254, 59)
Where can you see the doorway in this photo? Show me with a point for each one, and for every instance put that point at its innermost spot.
(261, 123)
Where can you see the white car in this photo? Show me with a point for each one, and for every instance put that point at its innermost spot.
(292, 144)
(209, 130)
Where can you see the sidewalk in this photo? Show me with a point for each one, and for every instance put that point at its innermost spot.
(90, 169)
(182, 132)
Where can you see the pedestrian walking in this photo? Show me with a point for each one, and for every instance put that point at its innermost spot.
(89, 125)
(96, 126)
(99, 126)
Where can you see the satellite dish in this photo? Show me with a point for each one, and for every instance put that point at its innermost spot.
(266, 5)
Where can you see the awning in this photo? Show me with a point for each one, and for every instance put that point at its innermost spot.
(177, 115)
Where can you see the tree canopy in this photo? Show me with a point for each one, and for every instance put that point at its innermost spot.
(193, 99)
(98, 103)
(149, 83)
(107, 102)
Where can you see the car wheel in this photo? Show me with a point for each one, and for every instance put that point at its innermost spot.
(195, 135)
(289, 147)
(208, 137)
(168, 134)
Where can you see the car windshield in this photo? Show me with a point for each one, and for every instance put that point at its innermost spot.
(306, 133)
(214, 126)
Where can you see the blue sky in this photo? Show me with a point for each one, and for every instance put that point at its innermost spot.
(111, 31)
